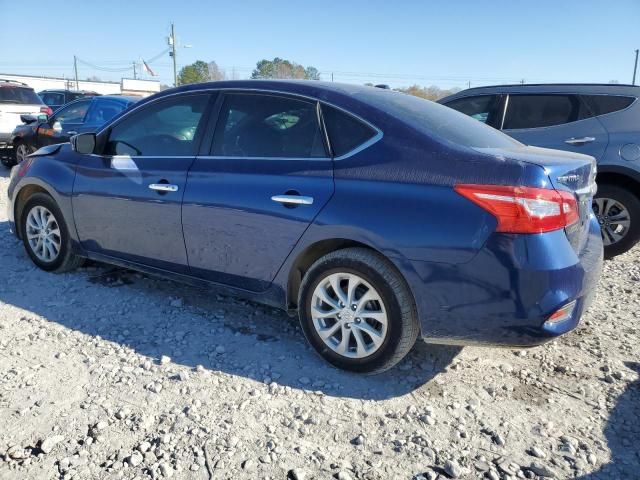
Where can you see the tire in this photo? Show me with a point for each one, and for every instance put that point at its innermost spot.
(631, 203)
(378, 278)
(65, 260)
(7, 157)
(21, 150)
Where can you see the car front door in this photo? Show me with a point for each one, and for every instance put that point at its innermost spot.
(127, 200)
(249, 202)
(63, 124)
(484, 108)
(559, 121)
(100, 112)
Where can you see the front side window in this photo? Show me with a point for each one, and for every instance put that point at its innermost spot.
(483, 107)
(345, 131)
(164, 128)
(603, 104)
(537, 111)
(73, 113)
(254, 125)
(102, 111)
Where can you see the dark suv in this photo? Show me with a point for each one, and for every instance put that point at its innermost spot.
(57, 98)
(598, 120)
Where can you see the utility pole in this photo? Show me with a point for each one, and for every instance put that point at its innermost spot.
(135, 76)
(75, 69)
(172, 42)
(635, 69)
(332, 76)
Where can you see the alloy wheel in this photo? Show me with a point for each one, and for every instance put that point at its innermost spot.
(614, 219)
(43, 234)
(21, 152)
(349, 315)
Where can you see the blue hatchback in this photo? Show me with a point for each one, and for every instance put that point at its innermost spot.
(376, 216)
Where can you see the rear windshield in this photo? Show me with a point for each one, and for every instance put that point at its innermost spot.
(439, 121)
(21, 95)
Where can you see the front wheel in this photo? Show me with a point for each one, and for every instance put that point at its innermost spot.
(22, 151)
(357, 312)
(45, 235)
(618, 212)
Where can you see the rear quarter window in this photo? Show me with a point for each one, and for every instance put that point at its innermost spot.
(603, 104)
(346, 132)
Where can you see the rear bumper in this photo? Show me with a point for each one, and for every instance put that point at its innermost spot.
(507, 292)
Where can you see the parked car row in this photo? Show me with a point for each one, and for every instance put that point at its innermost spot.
(598, 120)
(29, 121)
(376, 216)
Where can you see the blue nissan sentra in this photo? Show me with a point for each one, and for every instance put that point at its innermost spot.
(375, 216)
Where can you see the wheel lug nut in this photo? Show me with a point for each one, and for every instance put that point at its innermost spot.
(358, 320)
(354, 306)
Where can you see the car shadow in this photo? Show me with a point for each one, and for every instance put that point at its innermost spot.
(622, 432)
(195, 327)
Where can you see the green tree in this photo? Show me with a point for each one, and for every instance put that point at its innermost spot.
(195, 73)
(430, 93)
(280, 68)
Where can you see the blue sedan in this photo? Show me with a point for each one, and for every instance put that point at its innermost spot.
(375, 216)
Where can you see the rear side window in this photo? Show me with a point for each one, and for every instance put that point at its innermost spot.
(536, 111)
(603, 104)
(21, 95)
(164, 128)
(255, 125)
(483, 108)
(346, 132)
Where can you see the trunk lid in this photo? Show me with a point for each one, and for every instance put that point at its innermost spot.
(567, 171)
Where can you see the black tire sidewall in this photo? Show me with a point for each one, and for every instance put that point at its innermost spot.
(632, 203)
(44, 200)
(394, 313)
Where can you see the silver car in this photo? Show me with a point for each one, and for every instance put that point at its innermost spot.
(598, 120)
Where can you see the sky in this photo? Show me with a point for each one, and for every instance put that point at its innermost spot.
(401, 43)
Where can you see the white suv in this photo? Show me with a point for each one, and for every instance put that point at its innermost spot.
(16, 99)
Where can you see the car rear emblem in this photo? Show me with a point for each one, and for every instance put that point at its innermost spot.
(569, 178)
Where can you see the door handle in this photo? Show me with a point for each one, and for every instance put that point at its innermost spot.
(163, 187)
(292, 199)
(72, 132)
(579, 141)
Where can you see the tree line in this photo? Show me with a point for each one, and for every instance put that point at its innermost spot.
(279, 68)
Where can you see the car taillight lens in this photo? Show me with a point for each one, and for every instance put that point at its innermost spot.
(524, 209)
(46, 110)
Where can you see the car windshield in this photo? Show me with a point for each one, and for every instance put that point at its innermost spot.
(22, 95)
(437, 120)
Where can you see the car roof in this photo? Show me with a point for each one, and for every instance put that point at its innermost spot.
(5, 82)
(325, 91)
(580, 88)
(63, 90)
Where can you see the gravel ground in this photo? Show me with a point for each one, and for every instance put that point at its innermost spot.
(105, 373)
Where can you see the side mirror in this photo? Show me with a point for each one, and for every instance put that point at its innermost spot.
(84, 143)
(28, 119)
(57, 127)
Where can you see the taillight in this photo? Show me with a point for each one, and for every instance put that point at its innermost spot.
(524, 209)
(46, 110)
(24, 166)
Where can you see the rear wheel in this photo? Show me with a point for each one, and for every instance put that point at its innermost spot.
(618, 212)
(357, 312)
(45, 235)
(7, 157)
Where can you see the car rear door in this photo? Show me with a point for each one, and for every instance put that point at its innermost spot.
(560, 121)
(250, 200)
(127, 201)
